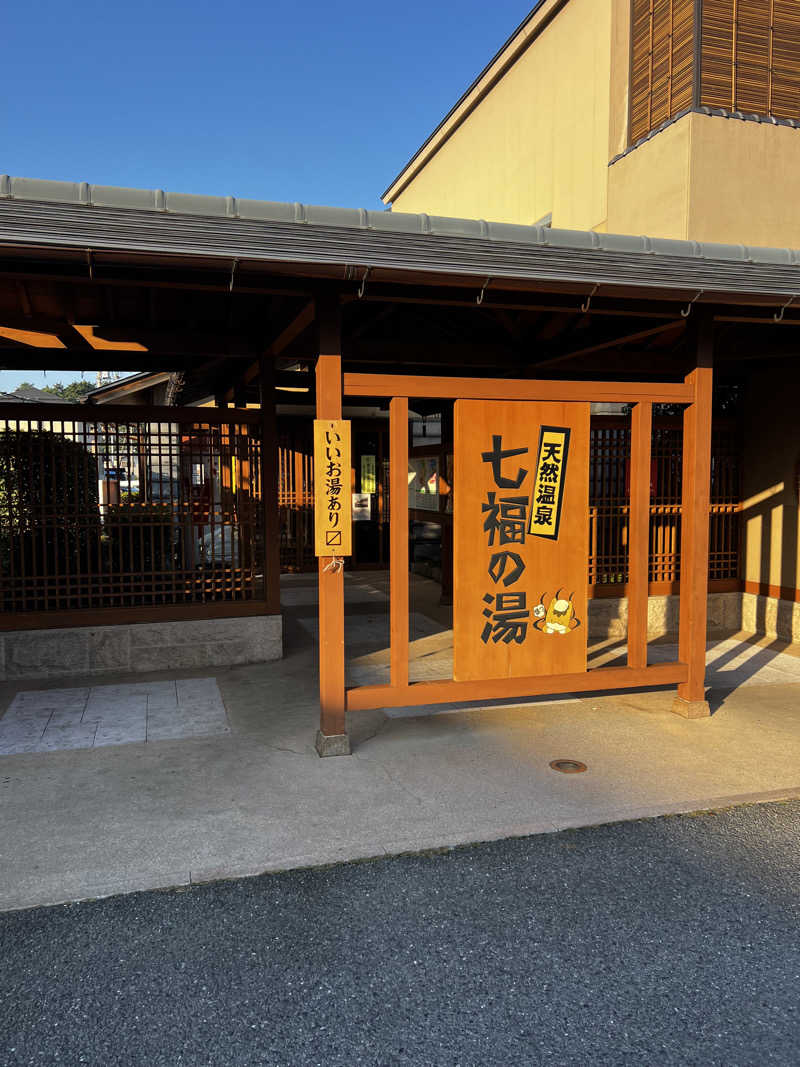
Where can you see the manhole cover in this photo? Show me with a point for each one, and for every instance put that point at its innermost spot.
(568, 766)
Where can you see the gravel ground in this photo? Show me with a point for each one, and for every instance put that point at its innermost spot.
(670, 941)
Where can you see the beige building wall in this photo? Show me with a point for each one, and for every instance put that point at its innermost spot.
(707, 178)
(745, 182)
(648, 189)
(538, 142)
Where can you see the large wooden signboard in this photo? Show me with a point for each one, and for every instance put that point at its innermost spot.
(333, 511)
(521, 538)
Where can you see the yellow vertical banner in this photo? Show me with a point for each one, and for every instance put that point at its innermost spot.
(548, 490)
(333, 512)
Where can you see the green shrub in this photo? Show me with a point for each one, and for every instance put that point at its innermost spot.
(49, 507)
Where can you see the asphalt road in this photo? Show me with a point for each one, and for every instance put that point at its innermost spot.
(671, 941)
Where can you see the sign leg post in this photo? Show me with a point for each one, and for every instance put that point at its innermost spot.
(696, 498)
(332, 738)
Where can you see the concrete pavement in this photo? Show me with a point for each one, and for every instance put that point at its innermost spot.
(94, 822)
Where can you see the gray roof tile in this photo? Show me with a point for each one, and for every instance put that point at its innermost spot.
(76, 214)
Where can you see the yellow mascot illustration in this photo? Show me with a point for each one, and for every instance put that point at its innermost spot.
(558, 617)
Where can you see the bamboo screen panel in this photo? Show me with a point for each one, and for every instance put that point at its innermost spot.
(609, 491)
(128, 514)
(662, 62)
(750, 57)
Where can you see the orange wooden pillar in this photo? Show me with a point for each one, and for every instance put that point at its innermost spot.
(332, 739)
(447, 524)
(639, 533)
(398, 540)
(696, 498)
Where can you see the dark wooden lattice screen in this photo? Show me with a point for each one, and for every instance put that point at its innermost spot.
(609, 505)
(746, 53)
(135, 509)
(662, 62)
(750, 56)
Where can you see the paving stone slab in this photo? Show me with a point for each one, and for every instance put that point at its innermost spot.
(104, 715)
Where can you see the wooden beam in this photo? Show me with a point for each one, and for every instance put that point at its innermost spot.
(788, 319)
(72, 338)
(24, 299)
(601, 679)
(130, 338)
(288, 334)
(535, 298)
(383, 385)
(124, 413)
(332, 736)
(523, 295)
(614, 342)
(696, 493)
(398, 540)
(639, 534)
(426, 351)
(58, 359)
(142, 274)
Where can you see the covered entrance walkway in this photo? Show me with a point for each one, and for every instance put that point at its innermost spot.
(239, 303)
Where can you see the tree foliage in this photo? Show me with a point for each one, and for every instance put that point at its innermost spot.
(72, 391)
(49, 504)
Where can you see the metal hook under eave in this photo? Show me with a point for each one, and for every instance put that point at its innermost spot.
(686, 312)
(482, 293)
(90, 264)
(234, 265)
(778, 316)
(363, 287)
(588, 302)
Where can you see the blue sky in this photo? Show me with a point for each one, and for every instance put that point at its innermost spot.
(317, 102)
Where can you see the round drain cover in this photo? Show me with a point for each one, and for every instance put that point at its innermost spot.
(568, 766)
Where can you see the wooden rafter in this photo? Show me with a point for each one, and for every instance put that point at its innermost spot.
(298, 325)
(613, 342)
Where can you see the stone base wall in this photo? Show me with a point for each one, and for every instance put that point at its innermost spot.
(727, 613)
(158, 646)
(771, 617)
(609, 618)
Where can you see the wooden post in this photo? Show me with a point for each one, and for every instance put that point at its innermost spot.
(446, 597)
(398, 540)
(269, 488)
(639, 533)
(299, 508)
(696, 499)
(332, 739)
